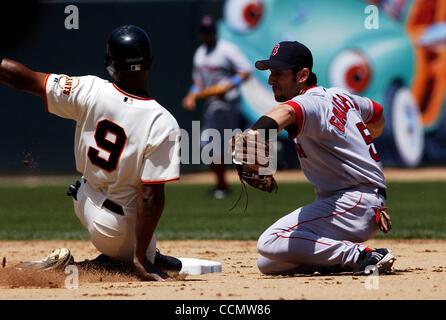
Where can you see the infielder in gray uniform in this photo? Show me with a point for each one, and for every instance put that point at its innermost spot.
(333, 132)
(219, 69)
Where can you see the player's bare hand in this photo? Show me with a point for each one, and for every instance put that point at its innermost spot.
(189, 102)
(148, 271)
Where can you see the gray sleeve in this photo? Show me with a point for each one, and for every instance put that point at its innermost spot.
(238, 59)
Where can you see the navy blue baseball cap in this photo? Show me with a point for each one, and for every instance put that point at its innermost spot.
(287, 55)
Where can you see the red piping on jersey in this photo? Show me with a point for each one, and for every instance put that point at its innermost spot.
(377, 112)
(44, 92)
(314, 86)
(292, 237)
(130, 95)
(329, 216)
(159, 181)
(299, 115)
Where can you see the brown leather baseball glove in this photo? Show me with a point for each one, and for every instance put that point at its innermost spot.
(251, 157)
(383, 219)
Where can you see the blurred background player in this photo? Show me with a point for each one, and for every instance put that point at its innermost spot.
(219, 68)
(126, 147)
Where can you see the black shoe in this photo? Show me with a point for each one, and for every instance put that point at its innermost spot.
(376, 259)
(335, 269)
(102, 258)
(103, 263)
(167, 263)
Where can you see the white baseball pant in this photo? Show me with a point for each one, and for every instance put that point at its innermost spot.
(112, 234)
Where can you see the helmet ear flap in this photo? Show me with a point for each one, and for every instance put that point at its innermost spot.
(108, 65)
(111, 71)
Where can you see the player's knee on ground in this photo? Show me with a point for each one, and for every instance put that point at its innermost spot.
(268, 266)
(264, 264)
(280, 249)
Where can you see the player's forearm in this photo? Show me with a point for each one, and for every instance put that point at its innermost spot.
(16, 75)
(273, 122)
(214, 90)
(223, 87)
(149, 210)
(284, 115)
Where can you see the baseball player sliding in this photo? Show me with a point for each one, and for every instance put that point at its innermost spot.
(333, 132)
(126, 147)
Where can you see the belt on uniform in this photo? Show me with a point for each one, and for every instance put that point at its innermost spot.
(116, 208)
(382, 192)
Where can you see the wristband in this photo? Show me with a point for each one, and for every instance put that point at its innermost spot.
(236, 80)
(194, 88)
(266, 123)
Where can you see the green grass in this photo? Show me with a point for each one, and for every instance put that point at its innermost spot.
(38, 213)
(418, 210)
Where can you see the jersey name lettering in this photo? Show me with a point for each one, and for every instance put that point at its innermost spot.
(368, 140)
(341, 106)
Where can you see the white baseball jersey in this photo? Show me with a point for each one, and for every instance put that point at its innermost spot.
(121, 140)
(219, 64)
(335, 148)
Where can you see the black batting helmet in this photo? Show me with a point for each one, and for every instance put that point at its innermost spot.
(128, 49)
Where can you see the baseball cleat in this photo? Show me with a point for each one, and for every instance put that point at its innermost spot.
(369, 261)
(56, 260)
(220, 193)
(167, 263)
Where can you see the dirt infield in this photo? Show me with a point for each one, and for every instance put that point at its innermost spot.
(419, 273)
